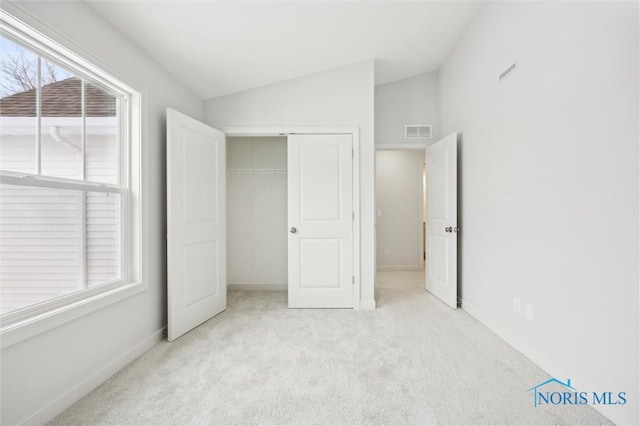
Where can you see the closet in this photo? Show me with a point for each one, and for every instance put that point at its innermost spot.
(257, 213)
(260, 212)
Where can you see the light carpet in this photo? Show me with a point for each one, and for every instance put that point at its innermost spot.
(411, 361)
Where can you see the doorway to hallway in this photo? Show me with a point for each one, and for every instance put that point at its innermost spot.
(400, 210)
(422, 201)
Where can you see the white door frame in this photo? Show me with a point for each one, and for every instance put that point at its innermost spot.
(410, 146)
(355, 133)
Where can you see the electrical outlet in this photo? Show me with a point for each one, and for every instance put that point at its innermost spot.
(517, 305)
(379, 213)
(385, 252)
(528, 311)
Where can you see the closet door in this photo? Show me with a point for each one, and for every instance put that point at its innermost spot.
(196, 246)
(320, 214)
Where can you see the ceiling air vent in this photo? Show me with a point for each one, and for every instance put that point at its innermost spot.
(417, 131)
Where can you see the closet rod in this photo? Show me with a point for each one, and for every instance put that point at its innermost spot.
(257, 171)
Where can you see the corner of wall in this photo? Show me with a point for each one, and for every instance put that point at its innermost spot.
(368, 305)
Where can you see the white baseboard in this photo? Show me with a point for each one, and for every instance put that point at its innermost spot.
(400, 268)
(368, 305)
(548, 365)
(64, 401)
(541, 361)
(258, 287)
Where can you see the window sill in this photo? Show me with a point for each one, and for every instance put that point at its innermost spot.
(25, 329)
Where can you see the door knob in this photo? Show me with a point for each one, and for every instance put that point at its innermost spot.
(448, 229)
(293, 230)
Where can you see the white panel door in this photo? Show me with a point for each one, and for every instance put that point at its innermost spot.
(196, 261)
(442, 220)
(320, 216)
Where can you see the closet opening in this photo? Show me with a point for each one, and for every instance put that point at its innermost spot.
(264, 209)
(257, 257)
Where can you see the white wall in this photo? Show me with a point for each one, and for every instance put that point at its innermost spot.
(549, 185)
(399, 197)
(257, 212)
(43, 374)
(341, 97)
(410, 101)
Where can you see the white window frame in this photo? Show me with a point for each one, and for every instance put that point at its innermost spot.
(26, 322)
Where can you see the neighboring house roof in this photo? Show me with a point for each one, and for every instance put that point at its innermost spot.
(60, 99)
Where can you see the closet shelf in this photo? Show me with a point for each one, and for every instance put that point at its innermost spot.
(250, 172)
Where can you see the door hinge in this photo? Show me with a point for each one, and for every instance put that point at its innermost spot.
(353, 215)
(353, 152)
(353, 279)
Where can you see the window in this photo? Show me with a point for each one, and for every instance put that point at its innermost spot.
(69, 177)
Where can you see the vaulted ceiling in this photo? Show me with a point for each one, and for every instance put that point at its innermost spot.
(217, 48)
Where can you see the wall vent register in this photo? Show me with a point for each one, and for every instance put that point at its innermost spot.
(417, 131)
(511, 68)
